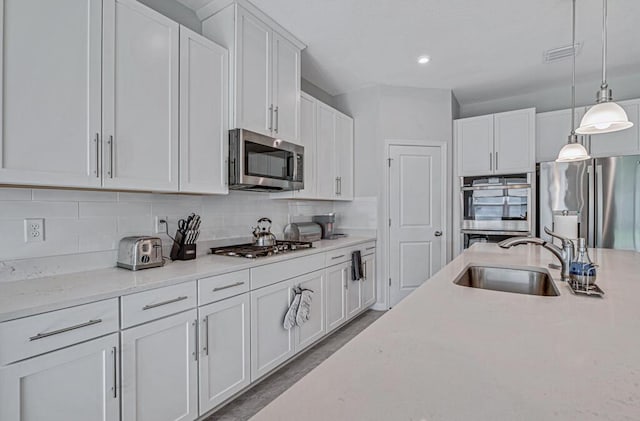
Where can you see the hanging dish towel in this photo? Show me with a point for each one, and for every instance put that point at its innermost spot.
(304, 310)
(356, 266)
(290, 317)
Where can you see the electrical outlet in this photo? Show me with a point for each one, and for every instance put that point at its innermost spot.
(161, 224)
(33, 230)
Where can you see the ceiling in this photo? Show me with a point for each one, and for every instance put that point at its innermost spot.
(480, 49)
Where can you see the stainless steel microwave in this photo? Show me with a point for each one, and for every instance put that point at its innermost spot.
(262, 163)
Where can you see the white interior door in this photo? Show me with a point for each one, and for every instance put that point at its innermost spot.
(416, 193)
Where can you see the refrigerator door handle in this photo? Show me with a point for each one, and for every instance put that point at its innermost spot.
(591, 209)
(598, 206)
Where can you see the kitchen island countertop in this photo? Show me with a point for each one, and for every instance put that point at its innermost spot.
(450, 352)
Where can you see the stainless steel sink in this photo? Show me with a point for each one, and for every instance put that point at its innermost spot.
(530, 281)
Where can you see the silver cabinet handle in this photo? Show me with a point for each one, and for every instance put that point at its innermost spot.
(496, 161)
(228, 286)
(174, 300)
(337, 186)
(490, 161)
(277, 118)
(110, 173)
(64, 329)
(364, 276)
(114, 352)
(438, 233)
(97, 155)
(337, 257)
(271, 117)
(195, 339)
(205, 344)
(371, 248)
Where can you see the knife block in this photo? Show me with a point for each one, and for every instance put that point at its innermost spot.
(180, 250)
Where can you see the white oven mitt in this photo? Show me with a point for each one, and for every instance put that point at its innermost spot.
(304, 310)
(290, 317)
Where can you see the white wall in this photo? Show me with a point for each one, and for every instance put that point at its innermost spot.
(83, 228)
(557, 97)
(381, 113)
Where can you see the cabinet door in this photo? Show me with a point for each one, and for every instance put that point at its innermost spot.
(368, 280)
(204, 100)
(327, 179)
(314, 328)
(354, 296)
(140, 97)
(308, 112)
(253, 106)
(75, 383)
(271, 343)
(286, 89)
(344, 156)
(50, 119)
(160, 369)
(475, 145)
(514, 141)
(624, 142)
(224, 350)
(336, 294)
(552, 131)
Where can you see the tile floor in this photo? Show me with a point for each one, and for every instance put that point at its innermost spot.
(248, 404)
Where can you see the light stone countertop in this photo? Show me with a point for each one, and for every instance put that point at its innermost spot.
(33, 296)
(449, 352)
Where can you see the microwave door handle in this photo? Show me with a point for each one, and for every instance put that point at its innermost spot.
(295, 166)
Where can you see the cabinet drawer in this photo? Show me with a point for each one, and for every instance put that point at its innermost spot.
(218, 287)
(29, 336)
(367, 248)
(156, 303)
(276, 272)
(334, 257)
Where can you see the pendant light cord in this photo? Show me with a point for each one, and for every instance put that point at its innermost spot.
(573, 77)
(604, 44)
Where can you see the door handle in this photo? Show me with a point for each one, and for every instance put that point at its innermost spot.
(438, 233)
(114, 352)
(110, 173)
(97, 155)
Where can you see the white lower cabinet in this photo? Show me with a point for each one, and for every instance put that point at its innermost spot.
(337, 277)
(368, 291)
(160, 369)
(77, 383)
(314, 328)
(354, 295)
(271, 343)
(224, 350)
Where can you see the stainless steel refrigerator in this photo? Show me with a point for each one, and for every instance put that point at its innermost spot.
(604, 191)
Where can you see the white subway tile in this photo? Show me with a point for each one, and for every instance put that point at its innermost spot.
(23, 209)
(74, 195)
(9, 193)
(93, 209)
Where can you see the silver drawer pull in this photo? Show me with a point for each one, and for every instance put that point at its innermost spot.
(65, 329)
(175, 300)
(237, 284)
(337, 257)
(371, 248)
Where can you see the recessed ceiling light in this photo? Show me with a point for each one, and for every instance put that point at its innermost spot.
(424, 59)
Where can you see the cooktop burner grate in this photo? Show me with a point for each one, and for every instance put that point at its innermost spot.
(251, 251)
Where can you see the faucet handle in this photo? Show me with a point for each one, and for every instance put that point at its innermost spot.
(565, 241)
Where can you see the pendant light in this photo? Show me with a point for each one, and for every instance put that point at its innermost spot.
(573, 150)
(606, 116)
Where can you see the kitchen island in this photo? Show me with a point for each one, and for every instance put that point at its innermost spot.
(450, 352)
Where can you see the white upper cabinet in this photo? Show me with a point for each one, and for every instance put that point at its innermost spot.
(624, 142)
(514, 141)
(286, 89)
(308, 106)
(203, 115)
(264, 70)
(327, 181)
(344, 156)
(140, 98)
(552, 131)
(50, 94)
(496, 144)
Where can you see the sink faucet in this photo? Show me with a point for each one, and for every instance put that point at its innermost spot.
(564, 254)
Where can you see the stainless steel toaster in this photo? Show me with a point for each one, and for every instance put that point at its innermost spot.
(140, 252)
(303, 231)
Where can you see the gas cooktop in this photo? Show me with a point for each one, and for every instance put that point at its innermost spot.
(251, 251)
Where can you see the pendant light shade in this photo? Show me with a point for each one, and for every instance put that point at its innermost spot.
(606, 116)
(572, 152)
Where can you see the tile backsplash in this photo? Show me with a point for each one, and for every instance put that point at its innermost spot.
(82, 228)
